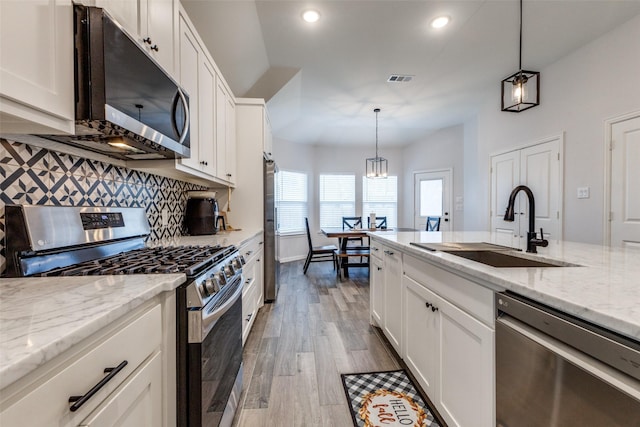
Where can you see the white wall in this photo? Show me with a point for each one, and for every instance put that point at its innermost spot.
(578, 93)
(441, 150)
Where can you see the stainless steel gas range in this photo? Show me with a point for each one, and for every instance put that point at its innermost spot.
(71, 241)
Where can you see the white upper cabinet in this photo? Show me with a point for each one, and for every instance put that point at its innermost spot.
(36, 66)
(150, 22)
(198, 78)
(225, 133)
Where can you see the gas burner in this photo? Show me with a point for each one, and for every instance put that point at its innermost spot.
(190, 260)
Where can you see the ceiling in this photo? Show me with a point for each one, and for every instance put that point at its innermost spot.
(323, 80)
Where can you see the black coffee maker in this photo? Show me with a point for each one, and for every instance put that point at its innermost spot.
(202, 216)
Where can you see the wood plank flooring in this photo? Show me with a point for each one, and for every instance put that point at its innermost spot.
(317, 329)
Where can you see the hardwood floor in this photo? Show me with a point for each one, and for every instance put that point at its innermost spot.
(317, 329)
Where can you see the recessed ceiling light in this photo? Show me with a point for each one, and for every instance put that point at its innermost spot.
(440, 22)
(311, 15)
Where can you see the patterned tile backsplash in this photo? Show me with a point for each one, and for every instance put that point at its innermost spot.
(37, 176)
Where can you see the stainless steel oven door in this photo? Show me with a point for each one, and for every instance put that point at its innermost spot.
(214, 376)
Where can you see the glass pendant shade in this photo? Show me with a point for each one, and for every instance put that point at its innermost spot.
(377, 167)
(521, 91)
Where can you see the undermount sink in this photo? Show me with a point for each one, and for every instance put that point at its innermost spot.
(501, 259)
(492, 254)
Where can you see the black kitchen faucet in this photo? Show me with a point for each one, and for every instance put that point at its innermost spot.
(532, 238)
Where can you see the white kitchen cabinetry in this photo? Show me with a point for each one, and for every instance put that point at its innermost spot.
(252, 132)
(150, 22)
(450, 348)
(36, 67)
(268, 137)
(139, 393)
(376, 284)
(252, 273)
(392, 273)
(198, 78)
(225, 119)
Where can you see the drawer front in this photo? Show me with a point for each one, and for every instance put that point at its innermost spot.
(250, 249)
(48, 404)
(376, 249)
(472, 297)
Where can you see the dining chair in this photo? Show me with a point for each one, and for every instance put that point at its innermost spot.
(319, 253)
(349, 223)
(433, 223)
(381, 222)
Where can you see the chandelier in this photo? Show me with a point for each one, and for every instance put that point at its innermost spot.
(377, 167)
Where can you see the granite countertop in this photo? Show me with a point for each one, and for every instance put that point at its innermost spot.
(41, 317)
(604, 289)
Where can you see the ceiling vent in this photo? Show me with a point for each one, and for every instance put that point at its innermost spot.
(397, 78)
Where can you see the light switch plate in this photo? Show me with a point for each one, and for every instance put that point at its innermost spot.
(583, 192)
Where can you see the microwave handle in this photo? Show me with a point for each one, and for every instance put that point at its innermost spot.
(185, 129)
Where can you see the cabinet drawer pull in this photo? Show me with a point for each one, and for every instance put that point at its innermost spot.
(379, 268)
(375, 249)
(388, 252)
(78, 401)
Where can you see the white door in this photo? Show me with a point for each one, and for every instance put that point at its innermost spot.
(432, 196)
(539, 168)
(625, 183)
(505, 176)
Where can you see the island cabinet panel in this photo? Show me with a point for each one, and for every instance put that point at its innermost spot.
(449, 342)
(392, 273)
(376, 295)
(130, 351)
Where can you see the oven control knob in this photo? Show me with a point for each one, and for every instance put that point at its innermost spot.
(220, 280)
(229, 270)
(211, 286)
(242, 260)
(237, 264)
(202, 288)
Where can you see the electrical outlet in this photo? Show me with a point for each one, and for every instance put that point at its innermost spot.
(583, 192)
(165, 217)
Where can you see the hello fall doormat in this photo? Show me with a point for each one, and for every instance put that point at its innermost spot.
(387, 399)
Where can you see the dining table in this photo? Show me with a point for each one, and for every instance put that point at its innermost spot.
(343, 236)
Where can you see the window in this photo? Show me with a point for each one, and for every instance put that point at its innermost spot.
(337, 199)
(291, 201)
(381, 197)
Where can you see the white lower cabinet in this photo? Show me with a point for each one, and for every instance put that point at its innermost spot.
(135, 403)
(138, 394)
(252, 274)
(376, 289)
(442, 325)
(392, 273)
(451, 355)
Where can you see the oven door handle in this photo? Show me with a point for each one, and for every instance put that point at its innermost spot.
(200, 328)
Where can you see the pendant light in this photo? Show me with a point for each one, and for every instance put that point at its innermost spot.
(521, 91)
(377, 167)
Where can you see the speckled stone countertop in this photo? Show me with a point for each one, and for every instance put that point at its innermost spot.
(604, 289)
(41, 317)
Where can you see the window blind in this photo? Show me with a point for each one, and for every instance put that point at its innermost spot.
(291, 201)
(380, 196)
(337, 199)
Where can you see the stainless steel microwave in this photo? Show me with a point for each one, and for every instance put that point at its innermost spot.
(127, 106)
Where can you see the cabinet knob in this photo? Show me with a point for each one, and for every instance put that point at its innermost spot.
(229, 175)
(147, 40)
(379, 268)
(154, 47)
(434, 308)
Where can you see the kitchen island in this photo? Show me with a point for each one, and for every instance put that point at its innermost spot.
(437, 309)
(604, 289)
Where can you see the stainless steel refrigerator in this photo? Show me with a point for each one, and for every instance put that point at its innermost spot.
(271, 264)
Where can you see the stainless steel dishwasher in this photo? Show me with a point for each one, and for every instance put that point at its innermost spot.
(554, 370)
